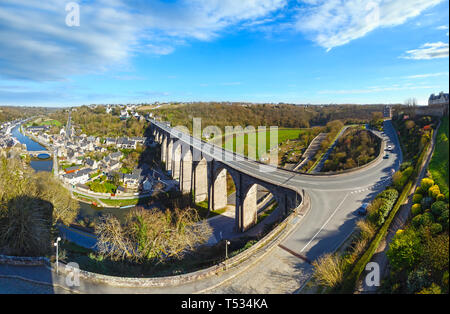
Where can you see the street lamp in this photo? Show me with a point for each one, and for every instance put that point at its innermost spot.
(226, 252)
(56, 244)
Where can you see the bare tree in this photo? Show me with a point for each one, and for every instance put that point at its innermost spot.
(113, 241)
(411, 102)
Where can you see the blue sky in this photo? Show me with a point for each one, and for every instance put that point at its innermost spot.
(310, 51)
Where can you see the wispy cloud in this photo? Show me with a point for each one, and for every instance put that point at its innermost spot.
(428, 51)
(377, 89)
(418, 76)
(159, 50)
(332, 23)
(37, 44)
(230, 83)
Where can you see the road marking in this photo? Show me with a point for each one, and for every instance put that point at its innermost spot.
(326, 222)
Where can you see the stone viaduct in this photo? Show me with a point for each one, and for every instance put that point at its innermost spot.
(201, 170)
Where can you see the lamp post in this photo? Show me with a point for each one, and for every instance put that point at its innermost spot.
(226, 252)
(56, 244)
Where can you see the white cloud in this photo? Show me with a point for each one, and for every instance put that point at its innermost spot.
(332, 23)
(428, 51)
(158, 49)
(442, 27)
(37, 44)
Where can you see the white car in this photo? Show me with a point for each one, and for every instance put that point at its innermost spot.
(389, 147)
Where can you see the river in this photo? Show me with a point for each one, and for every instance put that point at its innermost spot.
(86, 210)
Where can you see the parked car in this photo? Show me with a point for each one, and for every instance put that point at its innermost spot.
(389, 147)
(363, 209)
(386, 156)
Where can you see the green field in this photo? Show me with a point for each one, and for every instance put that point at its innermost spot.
(125, 202)
(249, 141)
(40, 122)
(439, 163)
(51, 122)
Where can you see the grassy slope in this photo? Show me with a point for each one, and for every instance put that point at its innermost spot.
(283, 135)
(439, 163)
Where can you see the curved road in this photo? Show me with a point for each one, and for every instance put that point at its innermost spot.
(331, 219)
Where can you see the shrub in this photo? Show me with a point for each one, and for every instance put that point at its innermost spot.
(405, 165)
(417, 221)
(407, 173)
(329, 270)
(433, 289)
(434, 191)
(367, 229)
(436, 228)
(389, 197)
(405, 249)
(417, 280)
(379, 209)
(389, 194)
(438, 208)
(416, 209)
(417, 198)
(422, 220)
(435, 255)
(445, 281)
(427, 219)
(372, 209)
(419, 190)
(426, 202)
(426, 183)
(443, 220)
(400, 178)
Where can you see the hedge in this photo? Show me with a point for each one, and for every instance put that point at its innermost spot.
(388, 197)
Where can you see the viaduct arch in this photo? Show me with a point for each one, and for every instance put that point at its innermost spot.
(199, 171)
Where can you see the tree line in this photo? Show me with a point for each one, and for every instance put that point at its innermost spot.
(282, 115)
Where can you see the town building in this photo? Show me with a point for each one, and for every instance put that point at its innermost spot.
(441, 100)
(75, 178)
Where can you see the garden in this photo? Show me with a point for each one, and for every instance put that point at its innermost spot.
(103, 185)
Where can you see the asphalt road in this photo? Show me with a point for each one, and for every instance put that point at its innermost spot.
(330, 221)
(332, 217)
